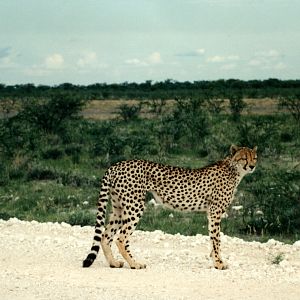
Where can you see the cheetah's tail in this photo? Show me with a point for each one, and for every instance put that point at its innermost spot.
(100, 221)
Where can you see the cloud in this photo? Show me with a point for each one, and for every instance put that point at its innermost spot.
(280, 66)
(200, 51)
(5, 52)
(194, 53)
(37, 71)
(268, 59)
(135, 62)
(219, 58)
(272, 53)
(155, 58)
(254, 63)
(7, 58)
(216, 59)
(228, 67)
(87, 60)
(54, 61)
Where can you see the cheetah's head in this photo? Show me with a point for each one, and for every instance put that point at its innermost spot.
(244, 158)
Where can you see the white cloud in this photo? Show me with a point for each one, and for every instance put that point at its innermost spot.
(155, 58)
(5, 52)
(254, 62)
(7, 58)
(280, 66)
(219, 58)
(87, 60)
(216, 59)
(135, 62)
(200, 51)
(37, 71)
(269, 59)
(228, 67)
(193, 53)
(232, 57)
(272, 53)
(54, 61)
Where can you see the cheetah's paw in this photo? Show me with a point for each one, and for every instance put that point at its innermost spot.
(117, 264)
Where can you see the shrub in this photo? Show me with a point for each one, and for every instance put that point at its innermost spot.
(292, 104)
(50, 114)
(73, 149)
(78, 180)
(129, 112)
(236, 105)
(262, 132)
(187, 125)
(54, 152)
(38, 172)
(275, 194)
(82, 218)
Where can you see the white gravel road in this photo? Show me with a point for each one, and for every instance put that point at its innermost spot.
(43, 261)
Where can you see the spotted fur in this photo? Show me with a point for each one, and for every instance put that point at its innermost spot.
(208, 189)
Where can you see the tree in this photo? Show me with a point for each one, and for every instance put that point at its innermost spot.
(187, 125)
(236, 105)
(292, 104)
(129, 112)
(50, 114)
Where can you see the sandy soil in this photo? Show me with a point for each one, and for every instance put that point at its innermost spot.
(108, 109)
(43, 261)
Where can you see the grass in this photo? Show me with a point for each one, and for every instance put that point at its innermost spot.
(277, 259)
(108, 109)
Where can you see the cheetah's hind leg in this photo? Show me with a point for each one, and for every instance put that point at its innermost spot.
(113, 226)
(129, 224)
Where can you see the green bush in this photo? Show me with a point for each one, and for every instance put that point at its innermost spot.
(236, 105)
(82, 218)
(272, 202)
(51, 113)
(54, 152)
(129, 112)
(38, 172)
(186, 127)
(78, 180)
(263, 132)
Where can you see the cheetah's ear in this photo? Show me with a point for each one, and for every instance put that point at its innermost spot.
(234, 149)
(255, 149)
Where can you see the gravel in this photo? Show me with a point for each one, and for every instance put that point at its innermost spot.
(43, 261)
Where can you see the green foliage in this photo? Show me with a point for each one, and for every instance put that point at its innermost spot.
(236, 105)
(54, 152)
(168, 89)
(187, 126)
(129, 112)
(292, 104)
(277, 259)
(50, 114)
(81, 217)
(156, 106)
(272, 201)
(262, 132)
(173, 222)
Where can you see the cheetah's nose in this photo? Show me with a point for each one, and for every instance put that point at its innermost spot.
(251, 167)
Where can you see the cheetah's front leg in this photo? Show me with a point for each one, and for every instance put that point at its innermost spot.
(214, 233)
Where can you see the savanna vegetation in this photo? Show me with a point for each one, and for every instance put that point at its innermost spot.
(52, 157)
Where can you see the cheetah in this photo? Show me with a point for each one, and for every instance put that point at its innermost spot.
(209, 189)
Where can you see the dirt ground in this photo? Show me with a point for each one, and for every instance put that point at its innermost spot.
(109, 109)
(43, 261)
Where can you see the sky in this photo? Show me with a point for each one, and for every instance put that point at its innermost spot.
(91, 41)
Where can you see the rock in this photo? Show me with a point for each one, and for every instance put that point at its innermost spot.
(297, 244)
